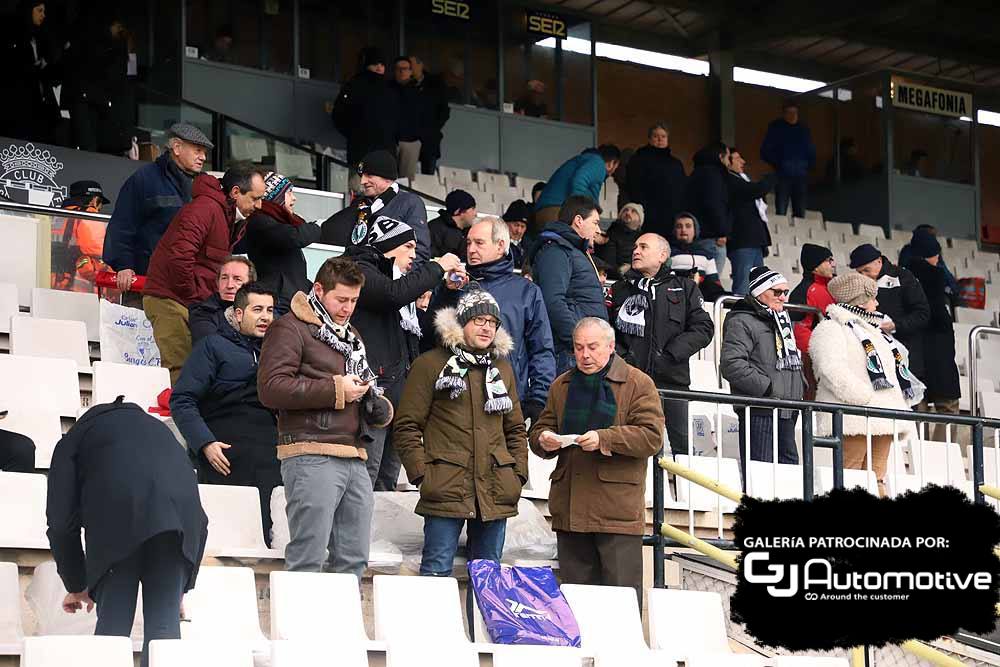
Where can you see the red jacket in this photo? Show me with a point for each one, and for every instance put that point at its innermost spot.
(817, 296)
(185, 265)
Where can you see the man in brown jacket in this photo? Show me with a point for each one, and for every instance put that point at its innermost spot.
(603, 420)
(314, 371)
(460, 434)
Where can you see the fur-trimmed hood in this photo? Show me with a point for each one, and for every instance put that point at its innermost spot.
(302, 310)
(450, 333)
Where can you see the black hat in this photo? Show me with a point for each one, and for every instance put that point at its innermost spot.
(924, 245)
(458, 201)
(371, 55)
(388, 234)
(864, 254)
(517, 211)
(379, 163)
(189, 133)
(86, 190)
(813, 255)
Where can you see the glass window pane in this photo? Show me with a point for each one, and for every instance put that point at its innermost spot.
(251, 33)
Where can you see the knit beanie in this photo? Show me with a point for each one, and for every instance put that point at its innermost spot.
(853, 289)
(371, 55)
(388, 234)
(864, 254)
(275, 187)
(813, 255)
(476, 302)
(639, 210)
(458, 201)
(518, 211)
(763, 279)
(924, 245)
(379, 163)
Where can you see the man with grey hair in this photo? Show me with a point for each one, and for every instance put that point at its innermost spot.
(661, 324)
(150, 199)
(603, 421)
(522, 310)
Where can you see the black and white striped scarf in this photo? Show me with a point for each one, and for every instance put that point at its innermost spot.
(631, 318)
(452, 378)
(342, 339)
(876, 370)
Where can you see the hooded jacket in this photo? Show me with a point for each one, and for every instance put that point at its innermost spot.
(566, 275)
(367, 113)
(656, 179)
(901, 297)
(581, 175)
(121, 494)
(524, 318)
(690, 260)
(185, 264)
(676, 328)
(707, 194)
(788, 148)
(145, 205)
(467, 462)
(274, 240)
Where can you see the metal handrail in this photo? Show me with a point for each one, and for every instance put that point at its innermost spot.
(9, 205)
(974, 336)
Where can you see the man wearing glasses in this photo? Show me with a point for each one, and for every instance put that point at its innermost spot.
(760, 358)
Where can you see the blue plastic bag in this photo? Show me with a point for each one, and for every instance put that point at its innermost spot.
(522, 605)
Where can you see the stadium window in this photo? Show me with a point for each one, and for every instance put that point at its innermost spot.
(249, 33)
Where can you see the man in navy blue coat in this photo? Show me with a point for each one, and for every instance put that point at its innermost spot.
(216, 407)
(120, 475)
(522, 311)
(789, 148)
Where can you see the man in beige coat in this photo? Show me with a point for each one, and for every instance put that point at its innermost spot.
(603, 420)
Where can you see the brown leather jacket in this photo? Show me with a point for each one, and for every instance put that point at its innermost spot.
(604, 491)
(301, 377)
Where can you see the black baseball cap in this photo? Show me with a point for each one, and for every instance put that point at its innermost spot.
(86, 190)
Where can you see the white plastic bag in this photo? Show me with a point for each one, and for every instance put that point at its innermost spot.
(127, 336)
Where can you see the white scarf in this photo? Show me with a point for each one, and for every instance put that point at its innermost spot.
(407, 314)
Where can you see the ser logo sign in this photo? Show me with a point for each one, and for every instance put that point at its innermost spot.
(546, 23)
(452, 8)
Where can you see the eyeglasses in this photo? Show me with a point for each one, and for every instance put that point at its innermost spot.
(781, 292)
(483, 321)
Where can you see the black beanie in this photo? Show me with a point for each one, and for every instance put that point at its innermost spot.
(518, 211)
(458, 201)
(864, 254)
(388, 234)
(924, 245)
(379, 163)
(371, 55)
(813, 255)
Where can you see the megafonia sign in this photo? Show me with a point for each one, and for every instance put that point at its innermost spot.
(931, 100)
(849, 569)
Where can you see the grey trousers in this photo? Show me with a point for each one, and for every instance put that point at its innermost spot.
(329, 503)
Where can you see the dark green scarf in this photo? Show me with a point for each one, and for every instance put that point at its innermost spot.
(590, 403)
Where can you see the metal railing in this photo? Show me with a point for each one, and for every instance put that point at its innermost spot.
(973, 363)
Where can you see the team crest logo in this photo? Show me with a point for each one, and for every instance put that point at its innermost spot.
(28, 175)
(360, 233)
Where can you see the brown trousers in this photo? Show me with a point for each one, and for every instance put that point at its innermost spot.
(171, 332)
(856, 456)
(601, 559)
(939, 432)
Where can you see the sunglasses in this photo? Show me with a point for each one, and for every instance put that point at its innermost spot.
(781, 292)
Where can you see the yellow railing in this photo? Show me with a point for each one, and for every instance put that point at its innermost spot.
(918, 649)
(991, 491)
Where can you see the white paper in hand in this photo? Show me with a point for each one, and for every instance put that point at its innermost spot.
(564, 440)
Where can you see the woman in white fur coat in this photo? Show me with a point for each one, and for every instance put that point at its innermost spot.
(858, 364)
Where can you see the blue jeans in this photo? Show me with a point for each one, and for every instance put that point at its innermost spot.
(713, 250)
(794, 188)
(485, 540)
(744, 259)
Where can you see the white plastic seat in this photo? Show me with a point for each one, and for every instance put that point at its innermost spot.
(316, 652)
(21, 240)
(55, 339)
(62, 305)
(701, 499)
(235, 526)
(139, 384)
(82, 651)
(11, 629)
(43, 426)
(732, 660)
(189, 652)
(608, 617)
(22, 506)
(223, 604)
(309, 605)
(823, 479)
(456, 174)
(774, 481)
(687, 623)
(494, 181)
(54, 382)
(536, 656)
(871, 232)
(704, 375)
(809, 661)
(539, 472)
(439, 616)
(431, 651)
(8, 305)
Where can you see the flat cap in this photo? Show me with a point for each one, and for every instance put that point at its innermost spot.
(190, 133)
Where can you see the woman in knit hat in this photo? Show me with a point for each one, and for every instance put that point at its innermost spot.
(460, 434)
(275, 238)
(857, 363)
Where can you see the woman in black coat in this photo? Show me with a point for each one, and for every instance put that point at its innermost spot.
(655, 179)
(30, 111)
(274, 240)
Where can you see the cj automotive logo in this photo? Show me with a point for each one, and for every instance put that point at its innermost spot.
(28, 175)
(817, 580)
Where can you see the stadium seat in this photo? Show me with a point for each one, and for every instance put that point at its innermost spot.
(21, 236)
(455, 175)
(216, 652)
(62, 305)
(309, 605)
(733, 660)
(8, 308)
(139, 384)
(77, 651)
(990, 404)
(11, 630)
(491, 182)
(55, 339)
(669, 502)
(43, 426)
(704, 375)
(235, 526)
(439, 616)
(687, 623)
(55, 383)
(871, 233)
(22, 506)
(823, 479)
(429, 651)
(536, 656)
(223, 603)
(809, 661)
(318, 651)
(539, 472)
(608, 617)
(774, 481)
(975, 317)
(725, 470)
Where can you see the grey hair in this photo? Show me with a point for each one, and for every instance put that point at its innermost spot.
(664, 243)
(658, 126)
(498, 230)
(606, 329)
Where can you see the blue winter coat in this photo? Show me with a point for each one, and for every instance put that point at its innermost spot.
(581, 175)
(566, 275)
(788, 148)
(523, 315)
